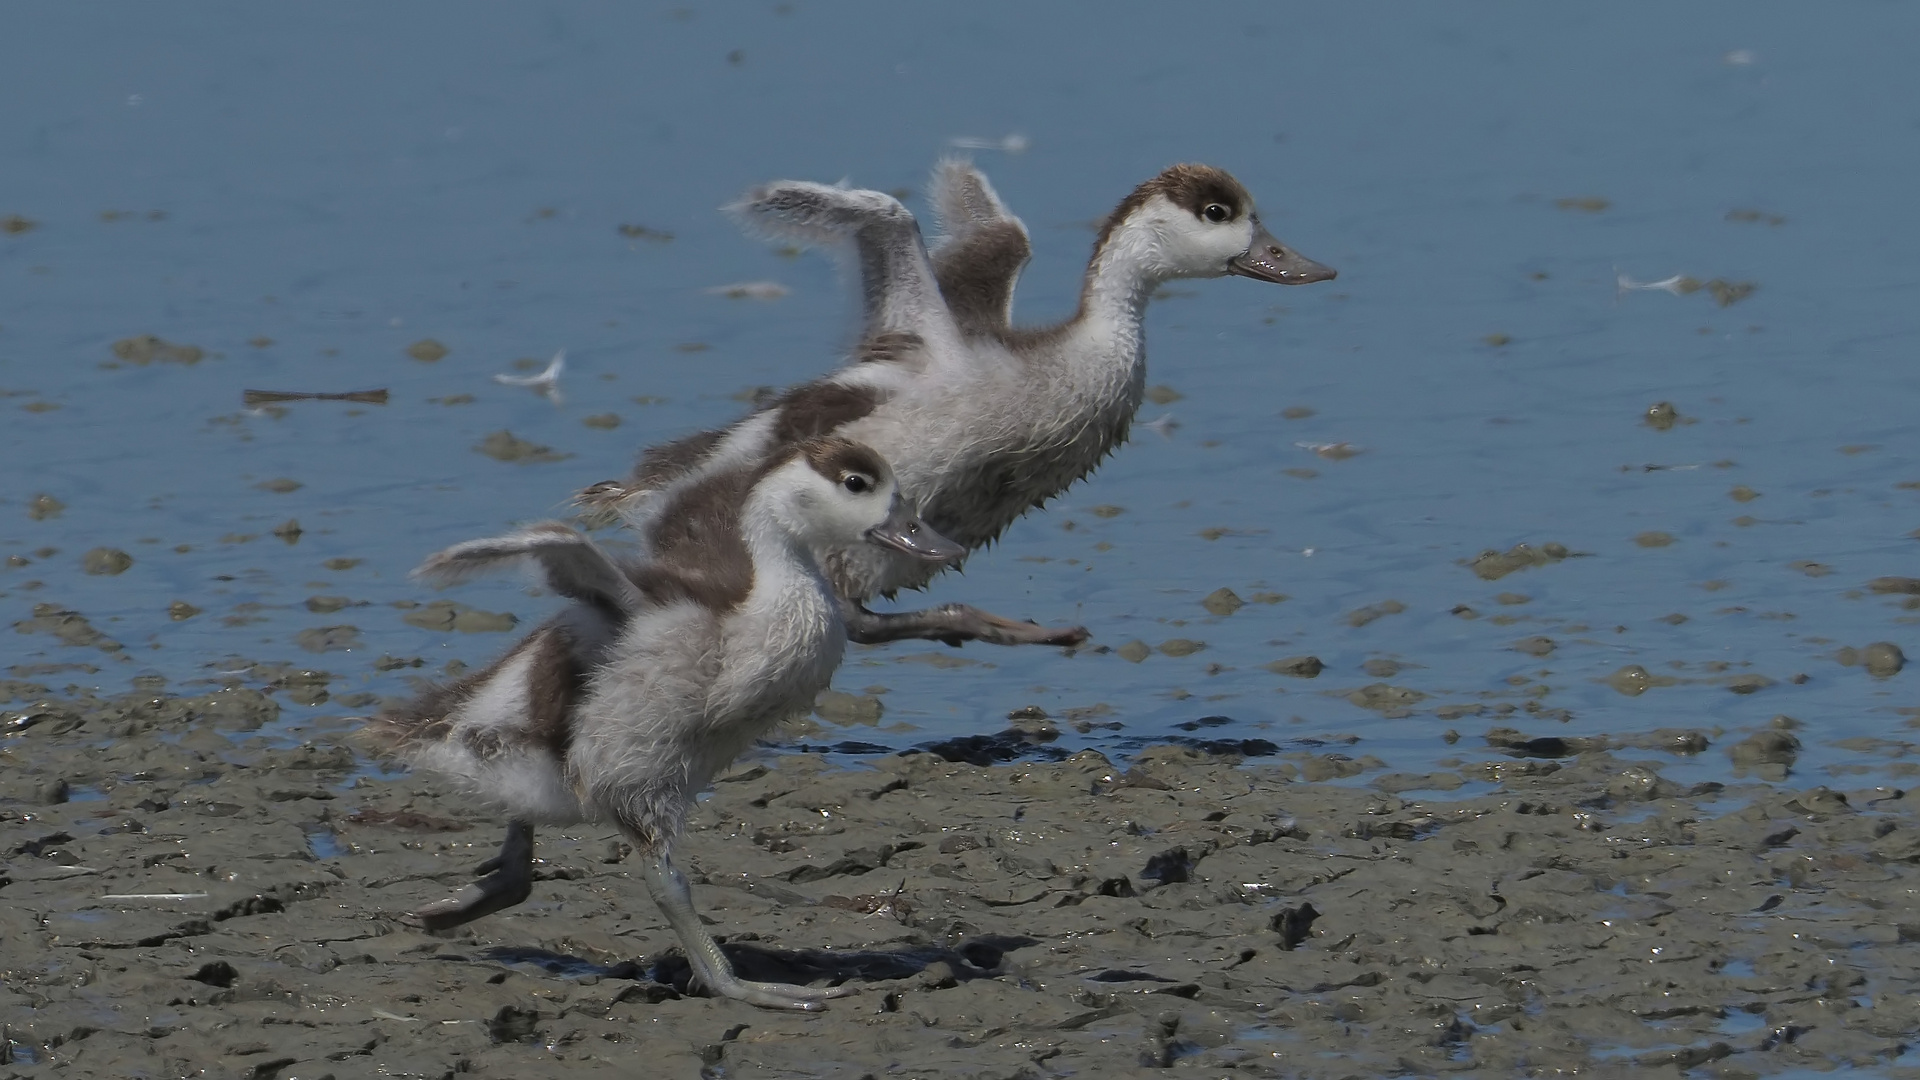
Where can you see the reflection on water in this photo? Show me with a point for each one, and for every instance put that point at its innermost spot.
(1547, 221)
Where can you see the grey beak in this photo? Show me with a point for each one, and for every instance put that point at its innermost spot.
(1267, 259)
(903, 531)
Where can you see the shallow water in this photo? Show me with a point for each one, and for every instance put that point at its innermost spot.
(305, 194)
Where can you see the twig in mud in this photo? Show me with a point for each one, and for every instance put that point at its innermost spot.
(264, 397)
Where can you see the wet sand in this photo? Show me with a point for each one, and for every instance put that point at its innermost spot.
(185, 896)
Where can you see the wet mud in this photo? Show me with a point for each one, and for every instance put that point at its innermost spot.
(188, 893)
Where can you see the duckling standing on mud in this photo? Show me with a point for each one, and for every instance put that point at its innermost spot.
(981, 421)
(624, 706)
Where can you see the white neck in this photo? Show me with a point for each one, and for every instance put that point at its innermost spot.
(1122, 274)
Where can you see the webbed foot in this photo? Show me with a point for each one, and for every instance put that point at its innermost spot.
(508, 881)
(953, 624)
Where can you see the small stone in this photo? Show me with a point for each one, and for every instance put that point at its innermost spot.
(1180, 646)
(1134, 651)
(1163, 395)
(44, 506)
(342, 563)
(1898, 585)
(327, 605)
(280, 485)
(180, 611)
(602, 421)
(289, 530)
(105, 561)
(1661, 416)
(1654, 539)
(1743, 493)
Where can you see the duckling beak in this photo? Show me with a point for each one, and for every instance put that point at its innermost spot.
(903, 531)
(1267, 259)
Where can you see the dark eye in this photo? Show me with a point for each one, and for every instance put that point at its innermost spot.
(857, 483)
(1216, 212)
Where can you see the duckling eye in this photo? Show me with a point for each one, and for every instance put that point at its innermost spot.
(857, 483)
(1216, 212)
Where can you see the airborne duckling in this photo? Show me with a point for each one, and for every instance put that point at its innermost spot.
(981, 421)
(660, 673)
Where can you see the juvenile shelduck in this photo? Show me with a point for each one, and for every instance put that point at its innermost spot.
(660, 673)
(981, 421)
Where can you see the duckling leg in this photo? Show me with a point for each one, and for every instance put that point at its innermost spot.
(508, 881)
(711, 968)
(951, 623)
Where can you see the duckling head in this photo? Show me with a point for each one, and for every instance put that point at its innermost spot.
(837, 493)
(1194, 221)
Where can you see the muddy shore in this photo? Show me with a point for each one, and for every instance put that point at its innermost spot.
(186, 896)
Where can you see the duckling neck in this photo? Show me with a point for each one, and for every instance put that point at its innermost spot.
(1120, 278)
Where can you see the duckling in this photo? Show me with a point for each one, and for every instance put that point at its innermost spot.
(982, 421)
(660, 672)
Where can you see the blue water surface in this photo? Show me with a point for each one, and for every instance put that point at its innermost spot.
(303, 192)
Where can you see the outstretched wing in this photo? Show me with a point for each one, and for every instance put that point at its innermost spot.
(898, 292)
(570, 564)
(982, 252)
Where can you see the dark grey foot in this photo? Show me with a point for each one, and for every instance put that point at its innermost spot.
(508, 881)
(953, 624)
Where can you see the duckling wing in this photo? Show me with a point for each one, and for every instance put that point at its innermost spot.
(982, 252)
(569, 563)
(899, 295)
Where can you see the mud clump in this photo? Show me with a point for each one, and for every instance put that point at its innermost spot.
(1222, 602)
(146, 349)
(106, 561)
(1767, 754)
(427, 351)
(196, 890)
(1882, 659)
(452, 615)
(1494, 565)
(1298, 667)
(508, 447)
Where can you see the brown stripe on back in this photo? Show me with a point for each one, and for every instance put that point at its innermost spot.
(661, 465)
(817, 408)
(697, 552)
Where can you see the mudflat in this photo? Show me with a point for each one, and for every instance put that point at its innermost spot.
(185, 895)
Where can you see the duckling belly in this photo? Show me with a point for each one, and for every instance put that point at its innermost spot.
(686, 690)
